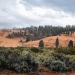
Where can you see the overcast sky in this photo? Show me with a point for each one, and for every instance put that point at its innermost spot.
(22, 13)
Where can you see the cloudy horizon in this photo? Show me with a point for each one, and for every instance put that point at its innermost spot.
(23, 13)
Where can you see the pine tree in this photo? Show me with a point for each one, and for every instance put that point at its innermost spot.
(57, 43)
(70, 43)
(41, 44)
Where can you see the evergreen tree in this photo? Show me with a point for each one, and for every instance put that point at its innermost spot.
(70, 43)
(57, 43)
(27, 39)
(41, 44)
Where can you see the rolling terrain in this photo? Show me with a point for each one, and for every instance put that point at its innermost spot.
(48, 41)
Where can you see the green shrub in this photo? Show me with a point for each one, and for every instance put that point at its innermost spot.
(60, 63)
(57, 66)
(34, 49)
(26, 60)
(13, 58)
(66, 51)
(21, 64)
(22, 67)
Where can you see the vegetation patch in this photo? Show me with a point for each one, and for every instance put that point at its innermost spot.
(28, 59)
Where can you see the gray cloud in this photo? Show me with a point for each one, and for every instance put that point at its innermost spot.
(65, 5)
(22, 13)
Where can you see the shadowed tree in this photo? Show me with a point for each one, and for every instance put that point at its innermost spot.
(57, 43)
(41, 44)
(27, 39)
(70, 43)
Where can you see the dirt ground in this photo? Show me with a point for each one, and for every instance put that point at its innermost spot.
(42, 72)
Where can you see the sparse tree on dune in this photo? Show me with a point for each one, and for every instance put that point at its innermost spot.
(41, 44)
(57, 43)
(70, 44)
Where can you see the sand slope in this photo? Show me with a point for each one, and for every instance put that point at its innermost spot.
(48, 41)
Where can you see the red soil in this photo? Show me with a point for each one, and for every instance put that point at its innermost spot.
(41, 72)
(48, 41)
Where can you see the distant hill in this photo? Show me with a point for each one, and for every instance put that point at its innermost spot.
(48, 41)
(35, 33)
(30, 36)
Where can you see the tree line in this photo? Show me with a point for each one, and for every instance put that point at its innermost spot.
(33, 33)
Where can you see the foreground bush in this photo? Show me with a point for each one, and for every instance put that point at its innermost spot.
(36, 50)
(27, 60)
(60, 63)
(14, 60)
(66, 51)
(57, 65)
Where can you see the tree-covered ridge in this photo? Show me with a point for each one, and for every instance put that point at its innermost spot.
(33, 33)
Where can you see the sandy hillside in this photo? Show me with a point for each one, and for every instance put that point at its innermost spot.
(48, 41)
(6, 42)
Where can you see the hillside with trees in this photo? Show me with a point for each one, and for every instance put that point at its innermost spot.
(30, 36)
(35, 33)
